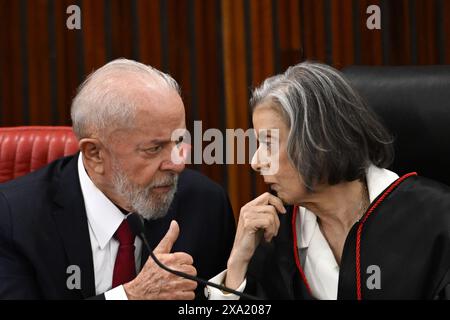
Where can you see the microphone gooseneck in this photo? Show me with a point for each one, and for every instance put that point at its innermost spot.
(136, 223)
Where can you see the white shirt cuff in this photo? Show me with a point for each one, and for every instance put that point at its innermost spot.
(216, 294)
(118, 293)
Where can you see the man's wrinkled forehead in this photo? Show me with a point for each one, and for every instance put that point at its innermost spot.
(153, 127)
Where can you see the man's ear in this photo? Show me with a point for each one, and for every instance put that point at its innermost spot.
(93, 154)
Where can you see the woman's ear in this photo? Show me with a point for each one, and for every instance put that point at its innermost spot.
(93, 154)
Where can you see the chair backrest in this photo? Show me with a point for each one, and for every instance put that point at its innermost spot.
(414, 103)
(25, 149)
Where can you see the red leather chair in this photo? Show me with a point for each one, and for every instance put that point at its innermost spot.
(25, 149)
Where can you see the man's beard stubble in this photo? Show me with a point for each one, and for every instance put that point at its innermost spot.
(150, 205)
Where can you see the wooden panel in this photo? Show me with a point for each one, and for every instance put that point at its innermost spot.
(314, 41)
(215, 49)
(446, 31)
(10, 64)
(94, 38)
(262, 48)
(209, 90)
(371, 51)
(289, 33)
(426, 32)
(178, 55)
(121, 29)
(150, 32)
(400, 43)
(236, 99)
(67, 73)
(342, 27)
(38, 69)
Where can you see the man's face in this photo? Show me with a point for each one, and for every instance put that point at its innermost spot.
(138, 164)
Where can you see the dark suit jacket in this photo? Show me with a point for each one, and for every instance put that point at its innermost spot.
(44, 230)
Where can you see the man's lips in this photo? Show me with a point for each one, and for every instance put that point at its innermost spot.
(162, 188)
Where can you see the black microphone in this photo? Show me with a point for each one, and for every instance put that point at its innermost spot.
(136, 223)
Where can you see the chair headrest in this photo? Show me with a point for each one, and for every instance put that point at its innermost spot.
(25, 149)
(414, 104)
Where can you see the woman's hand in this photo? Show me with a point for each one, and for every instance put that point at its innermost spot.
(257, 219)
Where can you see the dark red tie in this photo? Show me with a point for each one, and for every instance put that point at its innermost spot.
(124, 267)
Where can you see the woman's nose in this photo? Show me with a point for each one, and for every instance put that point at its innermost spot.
(259, 164)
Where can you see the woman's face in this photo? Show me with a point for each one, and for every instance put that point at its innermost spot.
(272, 161)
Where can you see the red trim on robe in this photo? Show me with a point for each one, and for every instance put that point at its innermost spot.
(358, 235)
(297, 260)
(361, 224)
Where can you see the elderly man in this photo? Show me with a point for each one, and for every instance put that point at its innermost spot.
(63, 229)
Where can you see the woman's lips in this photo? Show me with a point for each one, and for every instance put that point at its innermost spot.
(272, 186)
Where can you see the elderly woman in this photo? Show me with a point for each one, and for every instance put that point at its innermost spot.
(352, 228)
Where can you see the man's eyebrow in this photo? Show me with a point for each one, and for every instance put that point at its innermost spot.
(155, 141)
(161, 141)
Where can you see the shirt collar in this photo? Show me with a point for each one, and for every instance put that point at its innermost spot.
(378, 180)
(103, 216)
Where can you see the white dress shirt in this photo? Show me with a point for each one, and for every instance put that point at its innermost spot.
(104, 217)
(320, 266)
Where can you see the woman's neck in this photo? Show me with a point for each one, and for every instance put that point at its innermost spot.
(337, 209)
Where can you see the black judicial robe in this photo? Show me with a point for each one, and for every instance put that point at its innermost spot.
(405, 232)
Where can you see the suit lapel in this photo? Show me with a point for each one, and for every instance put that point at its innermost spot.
(71, 221)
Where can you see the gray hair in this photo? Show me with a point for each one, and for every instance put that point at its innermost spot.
(333, 136)
(103, 102)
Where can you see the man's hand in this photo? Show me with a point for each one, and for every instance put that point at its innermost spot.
(154, 283)
(258, 218)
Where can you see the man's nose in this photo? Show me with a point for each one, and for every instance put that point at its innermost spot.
(169, 165)
(177, 159)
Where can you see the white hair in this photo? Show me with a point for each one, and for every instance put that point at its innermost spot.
(333, 135)
(104, 100)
